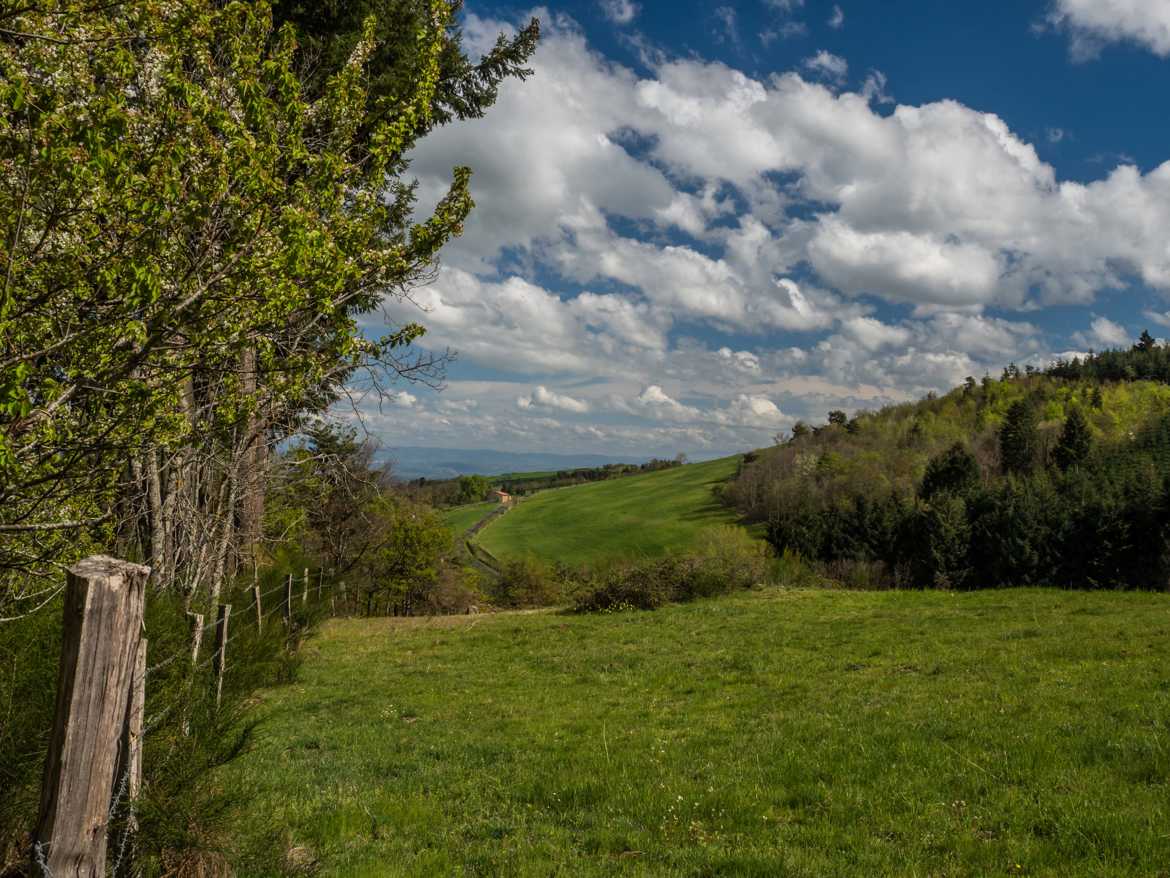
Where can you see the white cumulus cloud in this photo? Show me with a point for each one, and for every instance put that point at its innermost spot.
(543, 398)
(1093, 23)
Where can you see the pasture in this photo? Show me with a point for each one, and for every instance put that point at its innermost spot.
(633, 516)
(461, 518)
(772, 733)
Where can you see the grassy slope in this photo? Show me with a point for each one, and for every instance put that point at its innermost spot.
(630, 516)
(778, 733)
(460, 518)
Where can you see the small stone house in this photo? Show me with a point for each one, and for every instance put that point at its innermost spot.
(503, 497)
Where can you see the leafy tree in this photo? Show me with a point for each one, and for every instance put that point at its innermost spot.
(1019, 441)
(330, 30)
(197, 217)
(409, 543)
(1075, 443)
(955, 471)
(472, 489)
(838, 418)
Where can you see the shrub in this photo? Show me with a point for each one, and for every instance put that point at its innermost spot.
(454, 591)
(641, 586)
(726, 559)
(528, 582)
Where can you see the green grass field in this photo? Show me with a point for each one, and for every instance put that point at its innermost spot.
(776, 733)
(460, 518)
(644, 515)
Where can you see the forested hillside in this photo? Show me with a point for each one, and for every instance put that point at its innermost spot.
(1053, 478)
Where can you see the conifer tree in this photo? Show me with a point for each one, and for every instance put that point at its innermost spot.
(1146, 342)
(1075, 443)
(1019, 441)
(954, 471)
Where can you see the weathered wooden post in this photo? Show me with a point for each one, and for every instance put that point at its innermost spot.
(196, 643)
(220, 661)
(132, 738)
(196, 636)
(101, 632)
(305, 588)
(288, 582)
(256, 596)
(259, 611)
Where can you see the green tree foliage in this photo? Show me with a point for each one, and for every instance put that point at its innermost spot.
(350, 517)
(838, 418)
(197, 216)
(943, 534)
(1075, 443)
(1103, 522)
(473, 489)
(1019, 441)
(955, 471)
(330, 30)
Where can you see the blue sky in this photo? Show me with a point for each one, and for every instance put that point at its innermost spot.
(697, 223)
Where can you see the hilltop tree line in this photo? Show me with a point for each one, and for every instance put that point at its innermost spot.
(1061, 478)
(474, 488)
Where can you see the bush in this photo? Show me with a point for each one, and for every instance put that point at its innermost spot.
(528, 582)
(454, 591)
(726, 559)
(641, 586)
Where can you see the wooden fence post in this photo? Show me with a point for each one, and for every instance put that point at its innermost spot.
(305, 588)
(256, 595)
(220, 662)
(132, 737)
(196, 642)
(101, 631)
(288, 581)
(259, 611)
(196, 636)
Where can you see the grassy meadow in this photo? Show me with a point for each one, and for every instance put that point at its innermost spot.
(460, 518)
(633, 516)
(773, 733)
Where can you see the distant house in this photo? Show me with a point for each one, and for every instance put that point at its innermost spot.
(503, 497)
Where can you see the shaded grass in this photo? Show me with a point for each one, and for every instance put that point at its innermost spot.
(460, 518)
(633, 516)
(803, 733)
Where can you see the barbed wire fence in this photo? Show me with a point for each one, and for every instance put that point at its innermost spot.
(111, 721)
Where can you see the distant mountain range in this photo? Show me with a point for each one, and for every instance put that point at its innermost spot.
(412, 462)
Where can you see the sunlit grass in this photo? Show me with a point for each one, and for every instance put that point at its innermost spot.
(804, 733)
(460, 518)
(632, 516)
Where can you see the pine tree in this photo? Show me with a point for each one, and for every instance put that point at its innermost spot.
(1075, 443)
(1019, 440)
(1146, 342)
(954, 471)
